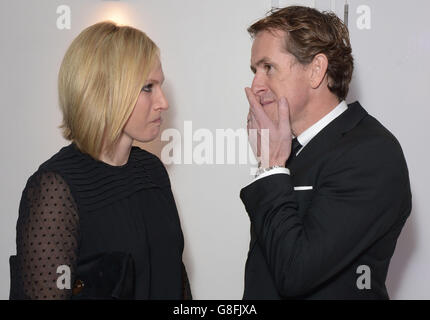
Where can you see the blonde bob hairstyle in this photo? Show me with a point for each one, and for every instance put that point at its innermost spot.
(100, 78)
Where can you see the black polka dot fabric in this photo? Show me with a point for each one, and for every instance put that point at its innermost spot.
(47, 239)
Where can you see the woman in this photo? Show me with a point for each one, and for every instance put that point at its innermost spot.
(98, 219)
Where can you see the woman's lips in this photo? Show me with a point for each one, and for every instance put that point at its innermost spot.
(157, 121)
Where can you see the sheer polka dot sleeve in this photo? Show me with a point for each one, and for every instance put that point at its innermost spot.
(47, 240)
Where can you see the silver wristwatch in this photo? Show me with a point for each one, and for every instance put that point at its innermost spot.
(262, 170)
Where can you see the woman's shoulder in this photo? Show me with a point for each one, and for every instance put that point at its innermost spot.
(144, 156)
(65, 172)
(152, 165)
(63, 159)
(49, 168)
(49, 190)
(94, 184)
(49, 175)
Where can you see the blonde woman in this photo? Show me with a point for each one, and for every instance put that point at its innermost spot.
(98, 220)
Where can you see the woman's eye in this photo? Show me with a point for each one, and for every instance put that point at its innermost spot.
(147, 88)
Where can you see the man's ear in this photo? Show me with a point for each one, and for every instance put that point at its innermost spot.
(318, 70)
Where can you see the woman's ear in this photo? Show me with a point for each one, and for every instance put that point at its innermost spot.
(318, 70)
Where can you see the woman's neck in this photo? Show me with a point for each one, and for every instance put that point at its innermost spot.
(120, 153)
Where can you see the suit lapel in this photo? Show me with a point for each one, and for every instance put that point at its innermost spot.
(327, 138)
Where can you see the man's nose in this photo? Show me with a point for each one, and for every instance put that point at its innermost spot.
(258, 85)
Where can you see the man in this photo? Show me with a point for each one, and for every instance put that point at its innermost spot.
(326, 209)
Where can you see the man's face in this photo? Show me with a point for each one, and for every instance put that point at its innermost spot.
(278, 74)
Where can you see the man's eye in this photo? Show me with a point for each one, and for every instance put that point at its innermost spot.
(267, 67)
(147, 88)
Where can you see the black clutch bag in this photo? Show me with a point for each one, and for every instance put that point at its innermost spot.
(105, 276)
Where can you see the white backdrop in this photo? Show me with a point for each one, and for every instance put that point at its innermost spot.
(205, 54)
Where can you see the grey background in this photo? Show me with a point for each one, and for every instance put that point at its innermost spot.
(205, 54)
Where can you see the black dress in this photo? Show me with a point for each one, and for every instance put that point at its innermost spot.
(75, 208)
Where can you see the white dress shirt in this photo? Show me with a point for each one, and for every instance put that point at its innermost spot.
(308, 135)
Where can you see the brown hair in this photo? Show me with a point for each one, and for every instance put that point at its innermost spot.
(310, 32)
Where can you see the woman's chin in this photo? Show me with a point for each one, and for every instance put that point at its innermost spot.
(148, 138)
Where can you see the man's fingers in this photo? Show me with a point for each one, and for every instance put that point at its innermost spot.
(284, 113)
(253, 102)
(255, 108)
(251, 97)
(249, 122)
(252, 122)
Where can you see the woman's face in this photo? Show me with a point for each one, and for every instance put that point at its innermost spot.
(145, 120)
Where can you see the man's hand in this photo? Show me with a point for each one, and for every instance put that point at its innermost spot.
(272, 146)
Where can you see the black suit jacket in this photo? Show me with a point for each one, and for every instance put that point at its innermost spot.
(308, 244)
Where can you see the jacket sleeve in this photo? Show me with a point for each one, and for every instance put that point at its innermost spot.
(47, 240)
(358, 199)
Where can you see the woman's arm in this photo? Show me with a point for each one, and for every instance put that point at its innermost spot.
(47, 240)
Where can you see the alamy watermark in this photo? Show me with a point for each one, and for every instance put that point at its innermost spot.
(203, 146)
(64, 279)
(64, 19)
(363, 12)
(364, 280)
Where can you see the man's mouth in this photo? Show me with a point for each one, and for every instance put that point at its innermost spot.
(266, 102)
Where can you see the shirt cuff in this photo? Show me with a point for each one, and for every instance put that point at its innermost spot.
(271, 172)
